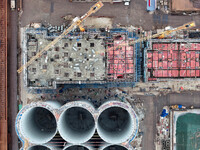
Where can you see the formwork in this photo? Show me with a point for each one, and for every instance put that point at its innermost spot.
(3, 74)
(173, 60)
(110, 64)
(120, 59)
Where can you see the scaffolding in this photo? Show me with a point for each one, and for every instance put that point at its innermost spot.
(121, 65)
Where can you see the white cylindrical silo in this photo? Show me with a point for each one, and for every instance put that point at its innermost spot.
(37, 123)
(117, 122)
(76, 123)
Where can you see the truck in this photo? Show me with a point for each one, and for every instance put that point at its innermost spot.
(12, 4)
(177, 107)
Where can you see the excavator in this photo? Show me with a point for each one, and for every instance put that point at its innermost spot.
(75, 23)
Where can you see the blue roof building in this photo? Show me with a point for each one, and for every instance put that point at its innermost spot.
(151, 5)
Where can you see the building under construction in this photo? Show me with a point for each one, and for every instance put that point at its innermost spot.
(173, 59)
(63, 55)
(93, 57)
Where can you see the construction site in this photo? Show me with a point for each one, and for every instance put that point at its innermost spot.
(88, 57)
(178, 128)
(99, 75)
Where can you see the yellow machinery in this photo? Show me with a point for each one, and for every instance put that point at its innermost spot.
(177, 107)
(165, 33)
(185, 26)
(76, 22)
(26, 144)
(158, 35)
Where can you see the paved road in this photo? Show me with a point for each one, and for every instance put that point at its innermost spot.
(154, 107)
(12, 78)
(135, 14)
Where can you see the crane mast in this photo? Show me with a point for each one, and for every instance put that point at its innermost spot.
(76, 22)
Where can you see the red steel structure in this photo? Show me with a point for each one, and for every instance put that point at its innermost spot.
(3, 74)
(174, 60)
(120, 59)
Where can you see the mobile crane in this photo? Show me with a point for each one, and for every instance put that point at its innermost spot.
(76, 22)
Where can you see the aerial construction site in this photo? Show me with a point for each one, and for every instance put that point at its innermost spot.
(100, 75)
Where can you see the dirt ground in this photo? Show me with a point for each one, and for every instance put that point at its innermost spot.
(154, 106)
(53, 10)
(183, 5)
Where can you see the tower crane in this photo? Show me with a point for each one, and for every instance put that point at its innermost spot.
(159, 35)
(76, 22)
(165, 33)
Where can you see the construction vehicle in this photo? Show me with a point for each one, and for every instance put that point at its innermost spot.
(177, 107)
(76, 23)
(158, 35)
